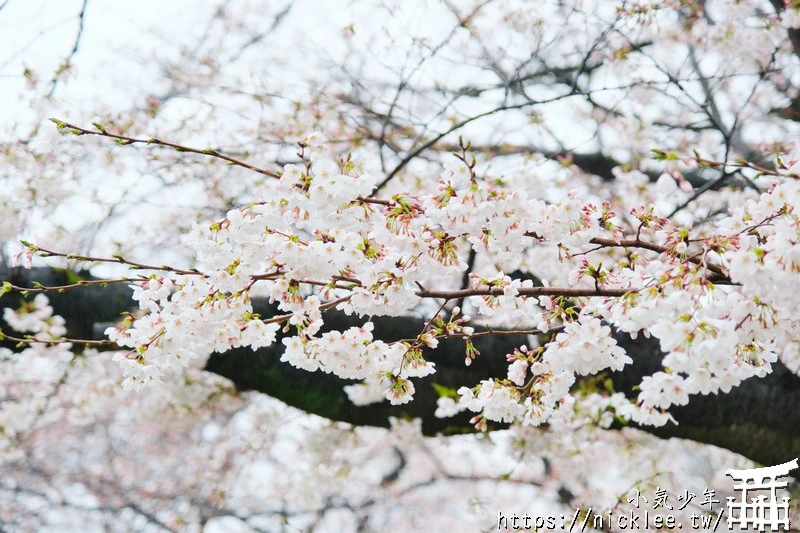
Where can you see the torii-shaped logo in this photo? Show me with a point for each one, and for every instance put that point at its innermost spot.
(760, 512)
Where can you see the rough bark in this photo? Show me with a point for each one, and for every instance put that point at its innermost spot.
(758, 419)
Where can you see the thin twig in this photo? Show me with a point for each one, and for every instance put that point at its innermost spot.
(124, 140)
(43, 252)
(68, 61)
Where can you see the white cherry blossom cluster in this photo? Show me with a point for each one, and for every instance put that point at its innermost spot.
(318, 240)
(37, 318)
(29, 375)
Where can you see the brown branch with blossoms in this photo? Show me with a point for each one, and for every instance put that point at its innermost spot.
(39, 288)
(124, 140)
(30, 339)
(645, 245)
(524, 291)
(32, 249)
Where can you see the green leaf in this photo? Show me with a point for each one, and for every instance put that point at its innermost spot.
(72, 277)
(444, 392)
